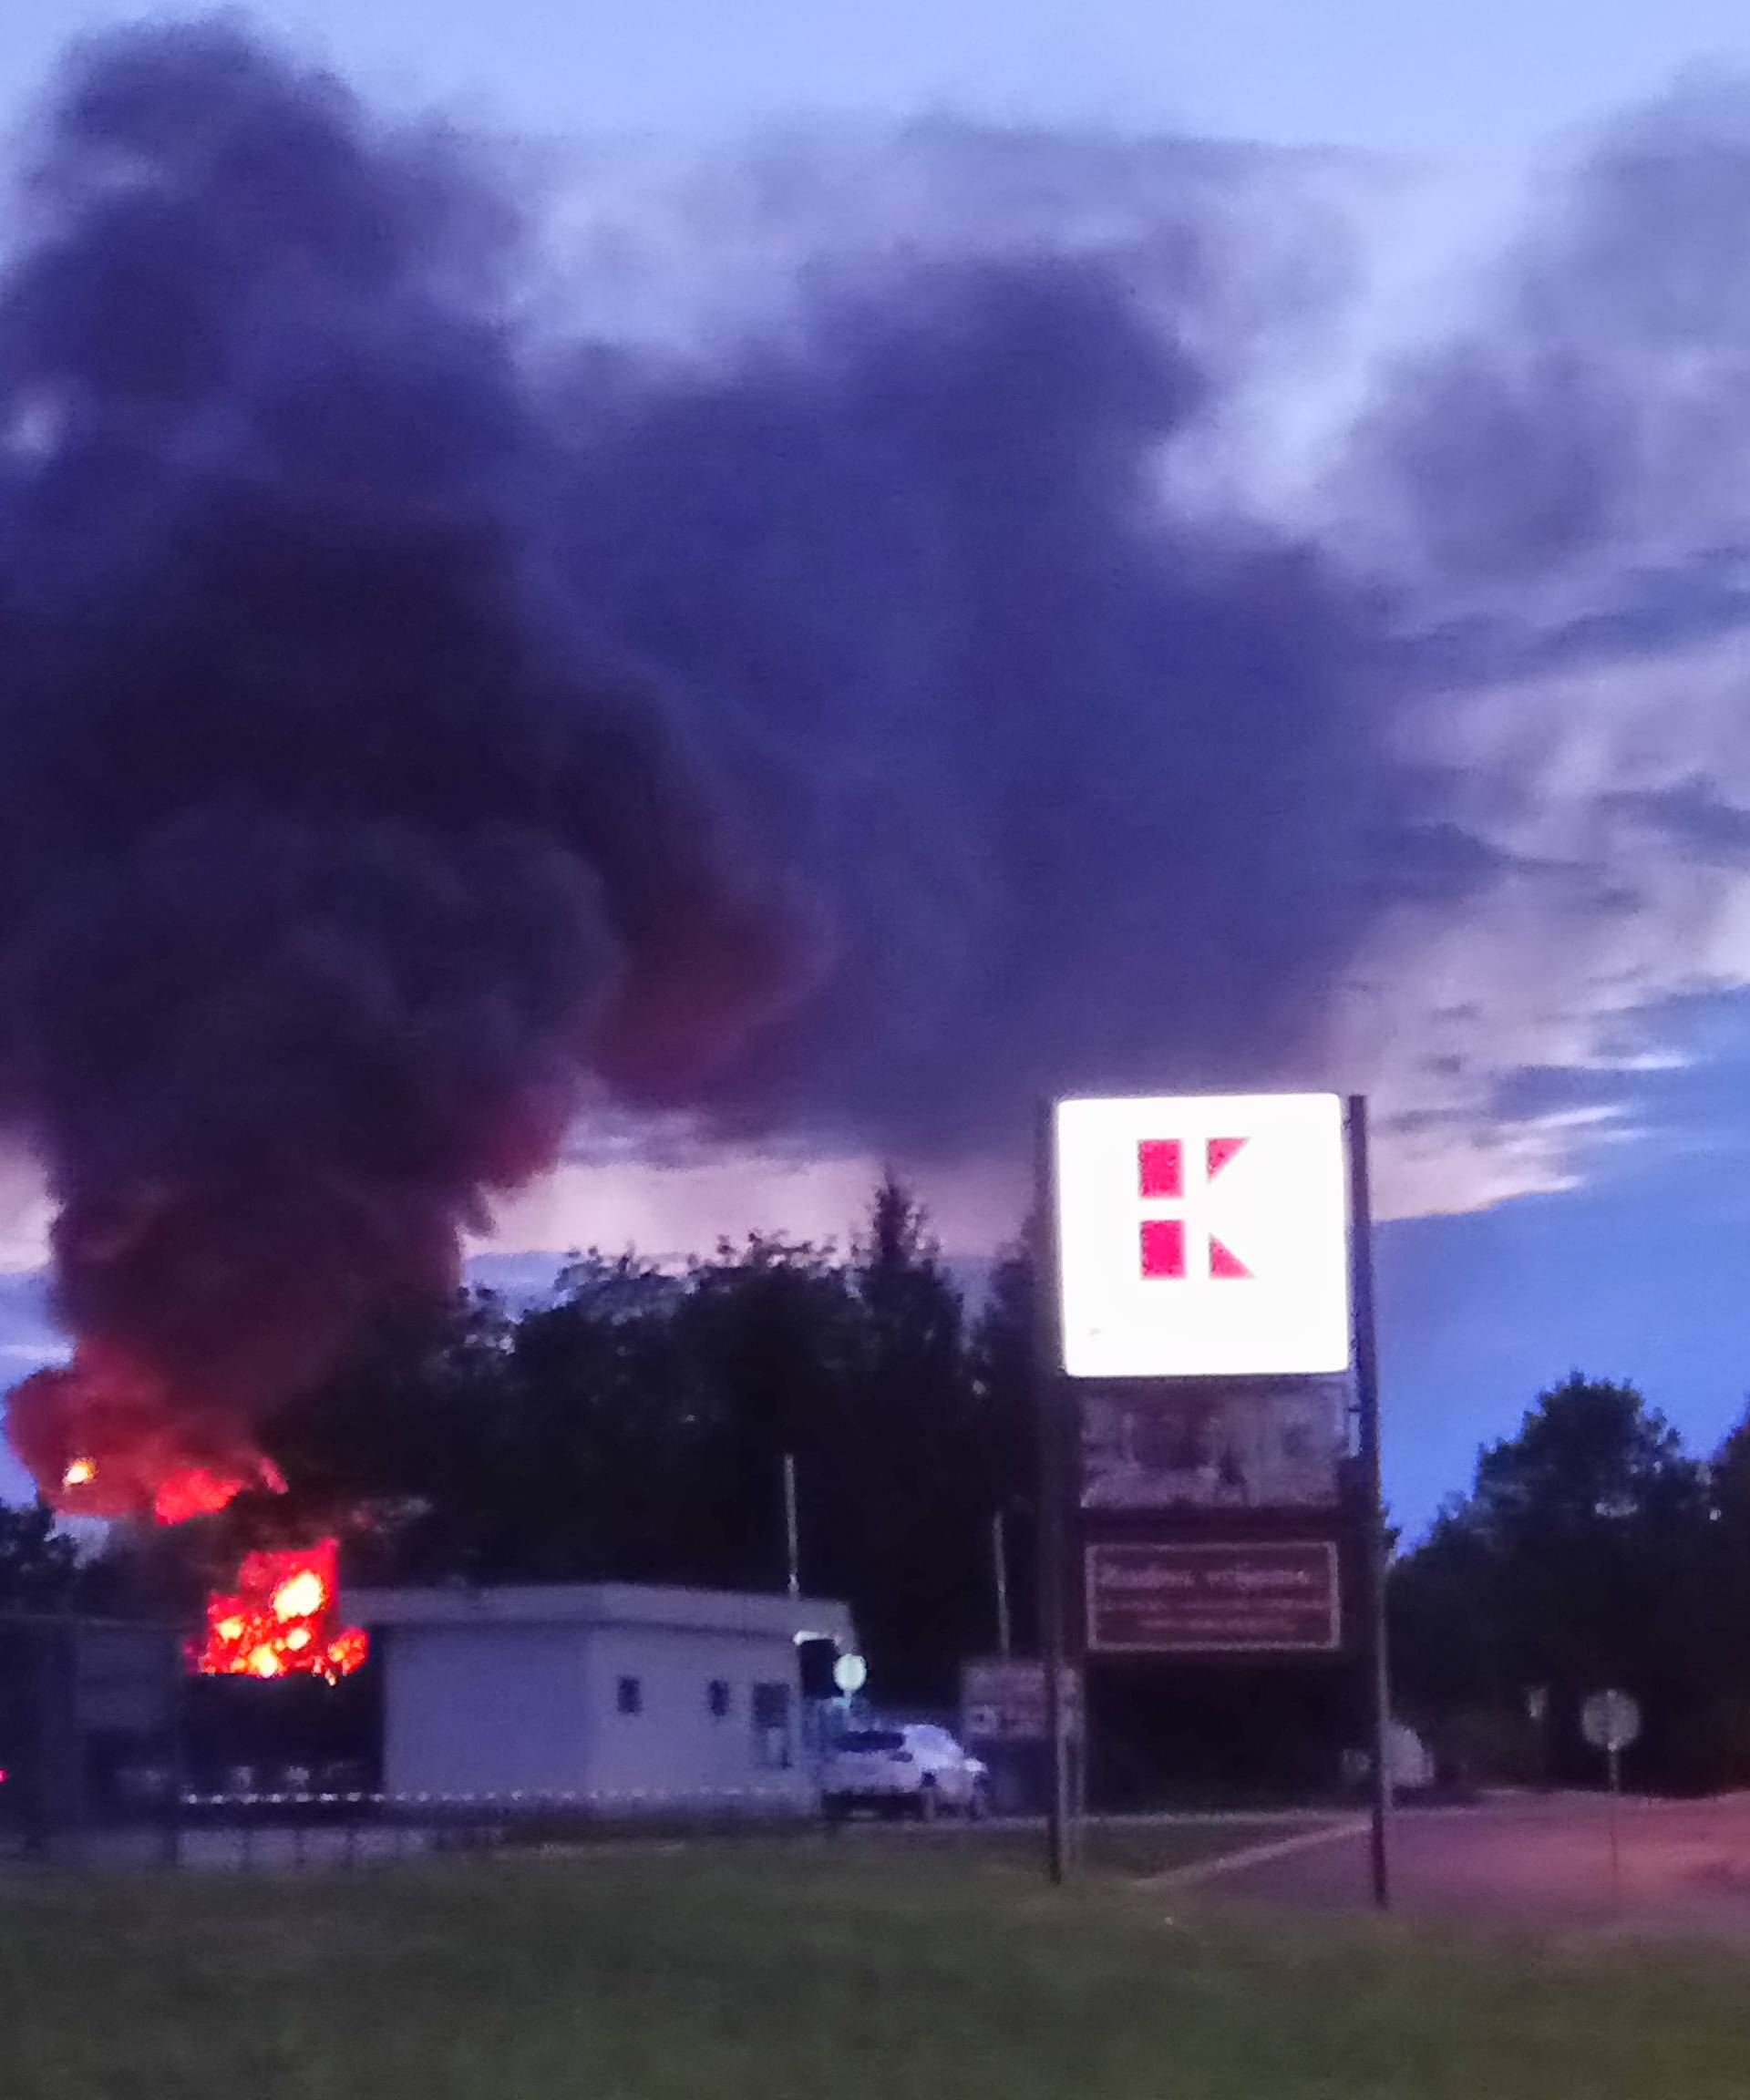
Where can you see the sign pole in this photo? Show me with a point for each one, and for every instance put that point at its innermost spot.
(1049, 1396)
(1361, 1256)
(1610, 1722)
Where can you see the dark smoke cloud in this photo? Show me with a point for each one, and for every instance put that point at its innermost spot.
(1596, 411)
(1092, 789)
(331, 862)
(968, 756)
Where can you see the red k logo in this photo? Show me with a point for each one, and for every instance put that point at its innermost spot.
(1173, 1179)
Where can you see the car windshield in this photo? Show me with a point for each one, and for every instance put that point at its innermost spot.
(872, 1739)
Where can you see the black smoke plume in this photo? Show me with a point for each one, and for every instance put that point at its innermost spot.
(1097, 793)
(332, 861)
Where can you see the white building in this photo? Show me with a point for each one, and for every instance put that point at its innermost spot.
(607, 1694)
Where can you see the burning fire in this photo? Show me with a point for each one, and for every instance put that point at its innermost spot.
(106, 1439)
(199, 1491)
(281, 1620)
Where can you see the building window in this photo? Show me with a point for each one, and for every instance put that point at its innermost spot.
(632, 1695)
(717, 1697)
(772, 1751)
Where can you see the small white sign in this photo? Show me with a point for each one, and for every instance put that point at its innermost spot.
(1005, 1701)
(1611, 1721)
(850, 1673)
(1203, 1236)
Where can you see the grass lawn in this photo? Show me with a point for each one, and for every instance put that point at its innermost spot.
(722, 1970)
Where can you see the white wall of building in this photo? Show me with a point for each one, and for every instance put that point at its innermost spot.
(485, 1709)
(675, 1742)
(497, 1692)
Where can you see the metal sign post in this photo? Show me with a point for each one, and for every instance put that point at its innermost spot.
(1373, 1545)
(1048, 1393)
(1610, 1722)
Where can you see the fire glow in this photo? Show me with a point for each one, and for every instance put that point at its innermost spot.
(282, 1620)
(106, 1437)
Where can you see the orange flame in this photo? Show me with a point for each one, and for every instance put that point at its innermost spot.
(104, 1438)
(279, 1620)
(202, 1491)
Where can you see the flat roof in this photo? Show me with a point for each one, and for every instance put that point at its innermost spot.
(677, 1609)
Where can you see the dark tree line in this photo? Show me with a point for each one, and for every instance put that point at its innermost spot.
(635, 1429)
(1593, 1551)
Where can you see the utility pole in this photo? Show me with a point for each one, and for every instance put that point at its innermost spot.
(1000, 1568)
(791, 1536)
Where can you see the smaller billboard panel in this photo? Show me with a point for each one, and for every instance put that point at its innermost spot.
(1220, 1446)
(1228, 1598)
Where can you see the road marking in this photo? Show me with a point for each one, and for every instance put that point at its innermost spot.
(1255, 1855)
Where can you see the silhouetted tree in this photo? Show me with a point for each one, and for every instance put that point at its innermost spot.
(914, 1496)
(40, 1568)
(766, 1334)
(1580, 1560)
(1003, 1372)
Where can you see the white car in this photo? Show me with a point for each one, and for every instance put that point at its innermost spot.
(908, 1769)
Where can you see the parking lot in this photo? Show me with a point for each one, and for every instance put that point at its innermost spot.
(1683, 1866)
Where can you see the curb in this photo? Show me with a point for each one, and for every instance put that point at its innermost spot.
(1255, 1855)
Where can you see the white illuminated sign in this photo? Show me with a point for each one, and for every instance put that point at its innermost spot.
(850, 1673)
(1203, 1236)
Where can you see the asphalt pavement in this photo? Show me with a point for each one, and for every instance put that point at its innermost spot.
(1543, 1861)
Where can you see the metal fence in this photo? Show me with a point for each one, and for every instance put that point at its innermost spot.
(315, 1828)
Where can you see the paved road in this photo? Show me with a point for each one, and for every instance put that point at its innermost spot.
(1685, 1866)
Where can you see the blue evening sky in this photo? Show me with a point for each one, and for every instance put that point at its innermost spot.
(1638, 1271)
(1471, 82)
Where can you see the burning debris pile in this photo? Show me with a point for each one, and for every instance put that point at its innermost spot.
(282, 1620)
